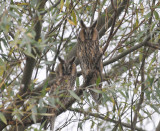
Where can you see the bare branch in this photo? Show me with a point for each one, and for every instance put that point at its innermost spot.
(131, 49)
(158, 127)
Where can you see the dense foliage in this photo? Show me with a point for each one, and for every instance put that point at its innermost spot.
(33, 33)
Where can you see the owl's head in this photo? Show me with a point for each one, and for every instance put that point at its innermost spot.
(88, 33)
(66, 68)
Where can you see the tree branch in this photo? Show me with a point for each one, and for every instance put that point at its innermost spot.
(101, 24)
(107, 119)
(30, 62)
(158, 127)
(145, 42)
(138, 106)
(28, 69)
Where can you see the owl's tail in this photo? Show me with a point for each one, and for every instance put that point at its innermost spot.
(97, 97)
(50, 120)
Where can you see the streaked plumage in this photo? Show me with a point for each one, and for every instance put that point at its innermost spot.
(65, 79)
(88, 51)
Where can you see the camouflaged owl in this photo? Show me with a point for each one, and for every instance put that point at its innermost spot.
(65, 79)
(88, 52)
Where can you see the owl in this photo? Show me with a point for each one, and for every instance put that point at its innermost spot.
(88, 52)
(65, 79)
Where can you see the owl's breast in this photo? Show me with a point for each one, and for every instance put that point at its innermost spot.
(87, 53)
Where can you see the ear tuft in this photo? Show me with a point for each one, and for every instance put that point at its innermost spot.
(82, 24)
(94, 25)
(60, 59)
(72, 59)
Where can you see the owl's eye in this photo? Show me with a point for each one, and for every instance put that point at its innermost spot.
(70, 67)
(91, 32)
(85, 32)
(64, 68)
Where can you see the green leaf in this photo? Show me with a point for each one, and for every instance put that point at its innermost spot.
(2, 117)
(4, 42)
(137, 21)
(121, 92)
(155, 108)
(42, 125)
(148, 113)
(33, 3)
(52, 101)
(147, 16)
(155, 97)
(34, 112)
(44, 88)
(80, 125)
(93, 124)
(74, 95)
(151, 80)
(156, 15)
(71, 22)
(67, 3)
(148, 94)
(61, 4)
(2, 67)
(85, 94)
(98, 81)
(96, 91)
(74, 17)
(41, 103)
(141, 9)
(29, 54)
(157, 93)
(151, 64)
(140, 57)
(77, 82)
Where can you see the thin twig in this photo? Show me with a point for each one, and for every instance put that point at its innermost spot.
(100, 116)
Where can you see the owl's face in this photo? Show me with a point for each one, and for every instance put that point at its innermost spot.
(67, 66)
(88, 33)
